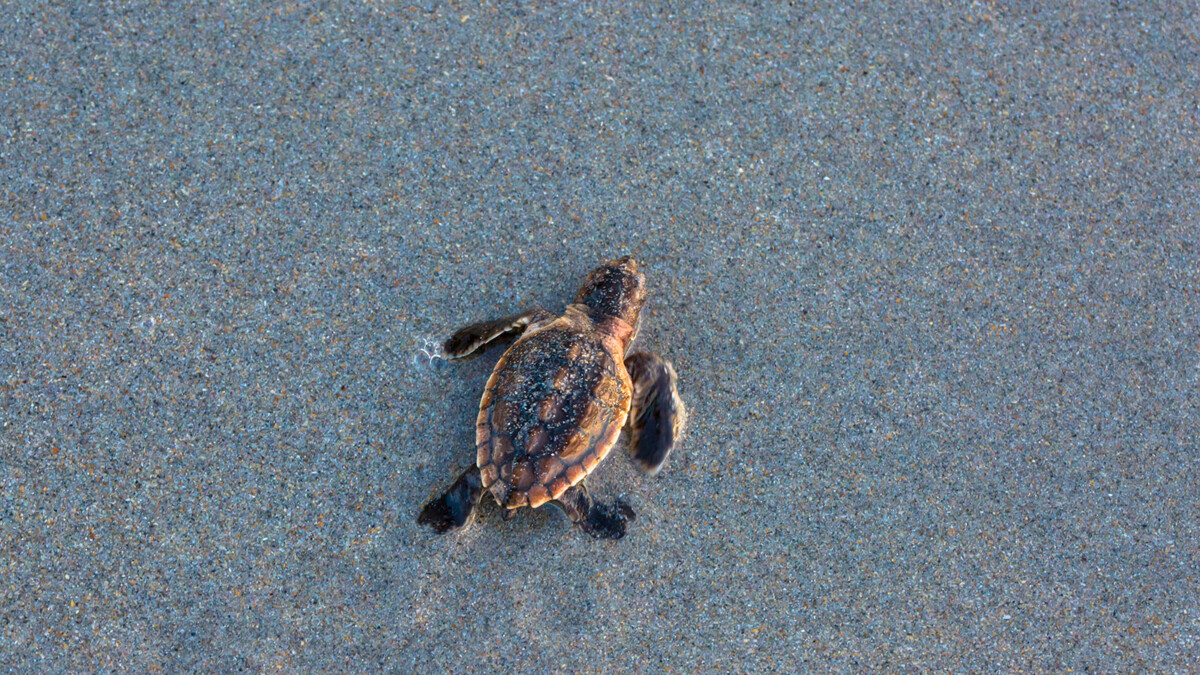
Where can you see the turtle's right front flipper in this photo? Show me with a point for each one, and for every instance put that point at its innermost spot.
(454, 508)
(473, 339)
(657, 415)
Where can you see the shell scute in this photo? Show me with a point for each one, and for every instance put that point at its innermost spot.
(548, 469)
(559, 486)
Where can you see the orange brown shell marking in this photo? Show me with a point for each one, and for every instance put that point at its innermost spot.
(551, 411)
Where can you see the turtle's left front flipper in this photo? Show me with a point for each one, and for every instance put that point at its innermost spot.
(473, 339)
(657, 414)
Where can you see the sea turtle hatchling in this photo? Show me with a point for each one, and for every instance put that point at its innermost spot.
(557, 401)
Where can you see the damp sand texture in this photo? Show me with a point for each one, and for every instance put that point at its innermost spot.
(930, 277)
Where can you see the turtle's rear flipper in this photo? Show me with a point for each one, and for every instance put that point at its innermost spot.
(473, 339)
(601, 521)
(454, 508)
(657, 414)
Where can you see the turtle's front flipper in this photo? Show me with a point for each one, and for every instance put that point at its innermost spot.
(454, 508)
(601, 521)
(657, 414)
(474, 338)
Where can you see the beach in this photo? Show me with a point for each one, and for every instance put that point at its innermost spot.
(929, 275)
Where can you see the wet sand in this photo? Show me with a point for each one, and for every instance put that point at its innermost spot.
(930, 279)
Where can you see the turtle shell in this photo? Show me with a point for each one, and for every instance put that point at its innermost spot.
(552, 409)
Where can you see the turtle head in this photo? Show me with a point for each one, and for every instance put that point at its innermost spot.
(616, 289)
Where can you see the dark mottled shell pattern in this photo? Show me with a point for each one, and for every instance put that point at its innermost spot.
(552, 409)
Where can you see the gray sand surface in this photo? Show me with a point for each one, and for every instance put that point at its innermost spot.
(930, 276)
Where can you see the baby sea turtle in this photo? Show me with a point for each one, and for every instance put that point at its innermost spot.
(557, 401)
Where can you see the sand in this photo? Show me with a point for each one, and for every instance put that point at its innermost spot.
(930, 277)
